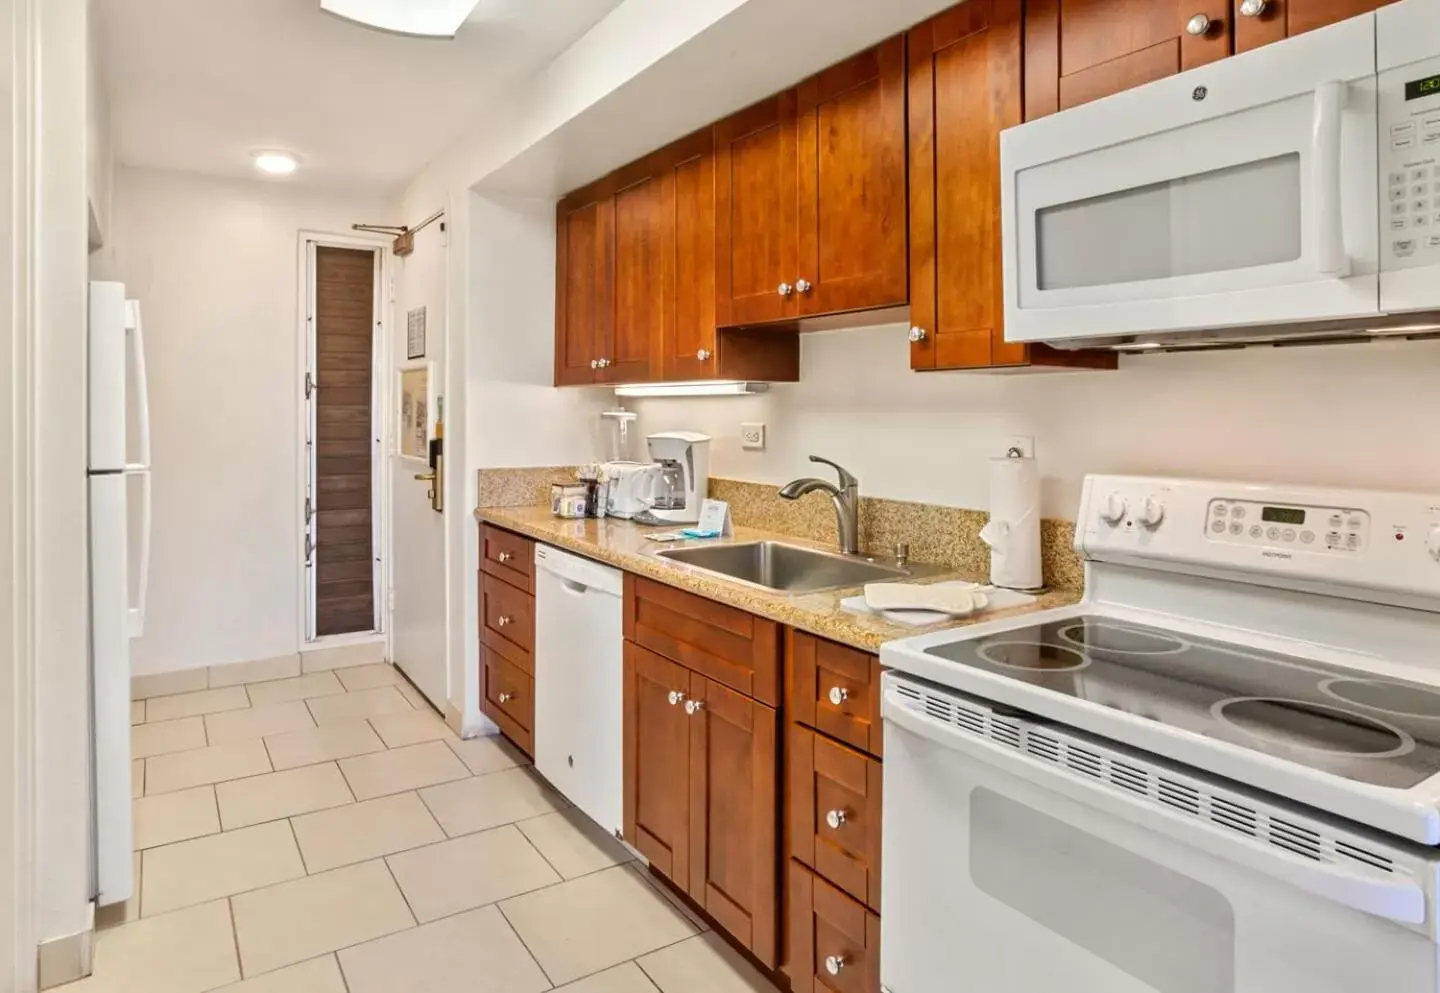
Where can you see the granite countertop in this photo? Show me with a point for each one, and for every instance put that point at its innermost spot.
(623, 545)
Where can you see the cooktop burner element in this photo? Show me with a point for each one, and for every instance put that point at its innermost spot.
(1370, 730)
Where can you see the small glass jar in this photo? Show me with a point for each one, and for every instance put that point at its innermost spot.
(569, 500)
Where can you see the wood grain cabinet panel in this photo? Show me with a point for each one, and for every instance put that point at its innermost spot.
(852, 220)
(633, 328)
(657, 735)
(835, 689)
(734, 866)
(508, 699)
(583, 280)
(825, 927)
(508, 556)
(833, 799)
(1280, 19)
(507, 621)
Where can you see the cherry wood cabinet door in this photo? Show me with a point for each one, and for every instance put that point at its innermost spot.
(825, 927)
(1081, 50)
(631, 332)
(688, 345)
(1275, 20)
(657, 737)
(852, 250)
(582, 287)
(734, 861)
(756, 263)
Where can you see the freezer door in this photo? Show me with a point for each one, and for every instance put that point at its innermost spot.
(110, 681)
(107, 376)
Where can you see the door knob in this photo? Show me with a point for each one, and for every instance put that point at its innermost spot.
(693, 707)
(703, 355)
(836, 819)
(803, 285)
(1198, 25)
(1253, 8)
(838, 695)
(675, 697)
(917, 334)
(834, 963)
(785, 289)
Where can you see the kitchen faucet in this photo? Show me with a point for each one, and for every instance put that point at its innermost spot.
(846, 498)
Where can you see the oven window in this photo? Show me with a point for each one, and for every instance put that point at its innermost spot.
(1234, 218)
(1167, 930)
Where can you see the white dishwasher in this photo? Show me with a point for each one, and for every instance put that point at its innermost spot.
(578, 682)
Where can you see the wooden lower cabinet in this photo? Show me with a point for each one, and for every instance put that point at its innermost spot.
(833, 943)
(833, 804)
(507, 634)
(657, 735)
(508, 699)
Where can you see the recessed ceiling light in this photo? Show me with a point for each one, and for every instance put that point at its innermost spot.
(275, 163)
(429, 18)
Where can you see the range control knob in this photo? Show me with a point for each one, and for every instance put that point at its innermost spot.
(1433, 542)
(1113, 510)
(1152, 512)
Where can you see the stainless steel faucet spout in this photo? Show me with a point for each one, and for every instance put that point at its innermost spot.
(846, 498)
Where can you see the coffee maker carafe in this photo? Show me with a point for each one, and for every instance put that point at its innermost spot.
(683, 458)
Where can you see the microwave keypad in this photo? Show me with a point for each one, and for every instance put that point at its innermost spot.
(1414, 214)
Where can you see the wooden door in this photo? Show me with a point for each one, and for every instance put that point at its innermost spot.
(756, 263)
(1081, 50)
(688, 343)
(733, 827)
(1275, 20)
(852, 249)
(344, 559)
(630, 334)
(657, 736)
(583, 282)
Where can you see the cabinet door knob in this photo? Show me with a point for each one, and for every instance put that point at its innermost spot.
(703, 355)
(504, 557)
(506, 697)
(1198, 25)
(594, 363)
(604, 363)
(1253, 8)
(834, 963)
(785, 289)
(502, 621)
(836, 819)
(693, 707)
(917, 334)
(803, 285)
(838, 695)
(675, 697)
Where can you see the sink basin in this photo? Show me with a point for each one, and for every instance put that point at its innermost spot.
(773, 565)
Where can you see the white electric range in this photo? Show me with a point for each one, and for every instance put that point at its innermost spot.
(1218, 772)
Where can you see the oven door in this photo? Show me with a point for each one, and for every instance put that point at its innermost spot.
(1240, 193)
(1020, 856)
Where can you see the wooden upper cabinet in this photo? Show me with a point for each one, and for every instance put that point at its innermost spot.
(631, 330)
(1081, 50)
(1259, 24)
(582, 285)
(756, 248)
(852, 245)
(688, 271)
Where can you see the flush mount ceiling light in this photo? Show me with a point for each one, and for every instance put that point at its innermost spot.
(275, 163)
(425, 18)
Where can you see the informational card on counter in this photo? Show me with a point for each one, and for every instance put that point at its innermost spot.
(715, 518)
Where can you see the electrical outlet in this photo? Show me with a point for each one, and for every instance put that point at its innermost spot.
(752, 437)
(1025, 443)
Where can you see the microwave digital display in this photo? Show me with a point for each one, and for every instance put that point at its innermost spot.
(1282, 515)
(1427, 87)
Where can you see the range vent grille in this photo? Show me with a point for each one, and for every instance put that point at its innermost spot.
(1160, 786)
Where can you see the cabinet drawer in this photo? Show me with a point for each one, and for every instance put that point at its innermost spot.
(508, 556)
(509, 699)
(730, 646)
(833, 806)
(835, 689)
(834, 944)
(507, 618)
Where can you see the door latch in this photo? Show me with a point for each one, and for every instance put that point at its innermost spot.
(310, 385)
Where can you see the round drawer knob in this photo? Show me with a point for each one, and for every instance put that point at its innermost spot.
(917, 335)
(785, 289)
(675, 697)
(703, 355)
(502, 620)
(1253, 8)
(506, 697)
(504, 556)
(836, 819)
(803, 285)
(834, 963)
(838, 695)
(1198, 25)
(594, 363)
(693, 707)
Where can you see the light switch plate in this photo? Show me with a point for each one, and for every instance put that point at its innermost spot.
(752, 437)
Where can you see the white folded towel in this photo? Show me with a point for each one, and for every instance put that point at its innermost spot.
(956, 601)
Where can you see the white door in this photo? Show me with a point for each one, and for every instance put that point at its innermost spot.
(417, 532)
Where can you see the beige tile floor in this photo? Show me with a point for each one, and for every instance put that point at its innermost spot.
(329, 834)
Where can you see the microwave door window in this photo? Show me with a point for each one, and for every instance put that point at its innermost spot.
(1239, 217)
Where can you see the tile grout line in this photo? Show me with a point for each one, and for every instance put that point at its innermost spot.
(401, 890)
(521, 938)
(295, 837)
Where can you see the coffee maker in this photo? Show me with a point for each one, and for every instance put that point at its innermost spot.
(684, 481)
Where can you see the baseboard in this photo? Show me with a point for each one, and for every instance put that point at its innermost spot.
(280, 667)
(343, 656)
(64, 960)
(284, 666)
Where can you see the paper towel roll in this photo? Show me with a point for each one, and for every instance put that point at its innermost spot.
(1013, 533)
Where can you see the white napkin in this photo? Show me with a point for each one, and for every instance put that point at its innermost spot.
(957, 601)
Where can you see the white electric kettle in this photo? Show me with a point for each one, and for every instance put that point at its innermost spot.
(631, 488)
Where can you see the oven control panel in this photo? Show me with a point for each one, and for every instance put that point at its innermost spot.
(1343, 530)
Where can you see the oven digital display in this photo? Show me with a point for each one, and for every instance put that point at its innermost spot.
(1418, 88)
(1282, 515)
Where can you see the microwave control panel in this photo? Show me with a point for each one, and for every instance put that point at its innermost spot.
(1410, 165)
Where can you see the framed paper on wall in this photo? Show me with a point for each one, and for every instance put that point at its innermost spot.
(415, 333)
(415, 412)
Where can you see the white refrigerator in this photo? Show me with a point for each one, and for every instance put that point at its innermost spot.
(119, 479)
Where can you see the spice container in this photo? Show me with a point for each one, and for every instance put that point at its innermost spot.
(569, 500)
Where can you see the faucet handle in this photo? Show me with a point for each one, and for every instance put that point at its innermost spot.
(846, 480)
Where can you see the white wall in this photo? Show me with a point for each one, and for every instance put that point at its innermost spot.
(1348, 415)
(99, 149)
(214, 264)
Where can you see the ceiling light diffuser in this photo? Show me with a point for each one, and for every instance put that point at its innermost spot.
(426, 18)
(276, 163)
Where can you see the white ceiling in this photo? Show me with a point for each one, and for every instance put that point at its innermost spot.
(197, 85)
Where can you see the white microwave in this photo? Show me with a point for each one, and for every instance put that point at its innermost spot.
(1292, 191)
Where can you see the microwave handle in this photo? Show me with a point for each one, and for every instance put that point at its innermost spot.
(1326, 217)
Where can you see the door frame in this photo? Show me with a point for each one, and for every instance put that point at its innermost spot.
(382, 424)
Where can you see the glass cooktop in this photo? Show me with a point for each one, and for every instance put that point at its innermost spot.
(1365, 728)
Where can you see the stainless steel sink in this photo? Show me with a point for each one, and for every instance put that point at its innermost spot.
(773, 565)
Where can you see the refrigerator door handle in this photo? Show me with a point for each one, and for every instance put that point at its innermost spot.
(136, 336)
(136, 614)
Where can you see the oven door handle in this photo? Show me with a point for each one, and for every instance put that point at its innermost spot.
(1399, 899)
(1327, 219)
